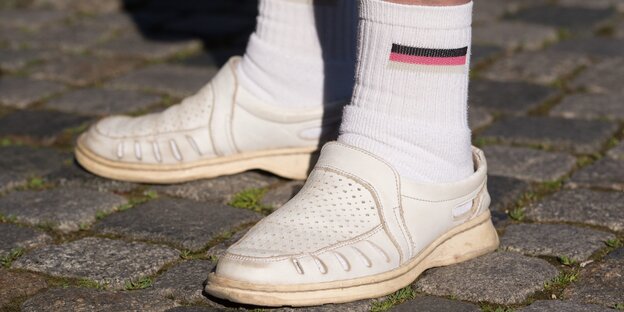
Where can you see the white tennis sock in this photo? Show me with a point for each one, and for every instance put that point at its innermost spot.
(410, 100)
(302, 53)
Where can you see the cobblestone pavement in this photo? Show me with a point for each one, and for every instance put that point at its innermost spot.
(546, 105)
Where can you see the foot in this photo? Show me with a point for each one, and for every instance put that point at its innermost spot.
(223, 129)
(356, 230)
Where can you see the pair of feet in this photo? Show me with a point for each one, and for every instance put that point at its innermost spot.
(356, 230)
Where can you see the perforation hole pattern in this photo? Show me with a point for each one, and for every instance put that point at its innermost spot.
(329, 209)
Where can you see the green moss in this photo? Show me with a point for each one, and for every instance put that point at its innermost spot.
(251, 199)
(396, 298)
(516, 214)
(141, 283)
(562, 280)
(7, 260)
(613, 243)
(565, 260)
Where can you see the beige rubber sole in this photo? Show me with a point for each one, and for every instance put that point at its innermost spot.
(472, 239)
(291, 163)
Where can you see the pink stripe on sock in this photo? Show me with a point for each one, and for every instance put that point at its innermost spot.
(425, 60)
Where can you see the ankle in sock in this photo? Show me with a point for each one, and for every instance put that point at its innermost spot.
(410, 99)
(302, 53)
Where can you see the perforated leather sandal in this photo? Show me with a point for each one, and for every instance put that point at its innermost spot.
(223, 129)
(356, 230)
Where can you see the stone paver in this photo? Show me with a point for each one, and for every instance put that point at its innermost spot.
(82, 70)
(176, 80)
(83, 300)
(222, 188)
(480, 54)
(277, 196)
(195, 309)
(74, 38)
(600, 283)
(579, 136)
(21, 92)
(478, 117)
(528, 164)
(18, 163)
(544, 67)
(595, 48)
(513, 35)
(43, 125)
(75, 176)
(96, 101)
(134, 45)
(435, 304)
(31, 19)
(559, 305)
(575, 18)
(508, 97)
(500, 277)
(590, 106)
(27, 284)
(64, 209)
(14, 236)
(605, 173)
(594, 4)
(581, 206)
(617, 152)
(505, 191)
(555, 240)
(14, 60)
(109, 262)
(602, 78)
(358, 306)
(184, 282)
(186, 223)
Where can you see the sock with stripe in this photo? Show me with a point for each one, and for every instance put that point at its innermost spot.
(410, 100)
(302, 53)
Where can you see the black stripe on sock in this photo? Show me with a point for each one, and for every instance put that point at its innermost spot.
(401, 49)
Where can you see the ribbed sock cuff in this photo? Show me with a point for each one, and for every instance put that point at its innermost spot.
(420, 16)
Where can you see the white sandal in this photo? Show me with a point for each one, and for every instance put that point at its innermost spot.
(356, 230)
(221, 130)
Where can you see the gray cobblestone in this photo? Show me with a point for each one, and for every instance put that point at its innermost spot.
(176, 80)
(18, 163)
(435, 304)
(14, 236)
(134, 45)
(528, 164)
(576, 18)
(590, 106)
(479, 117)
(218, 189)
(559, 305)
(514, 35)
(189, 224)
(95, 101)
(184, 282)
(21, 92)
(82, 70)
(14, 60)
(504, 278)
(594, 4)
(78, 37)
(75, 176)
(28, 283)
(505, 191)
(605, 173)
(617, 152)
(604, 209)
(42, 124)
(544, 67)
(64, 209)
(31, 19)
(508, 97)
(555, 240)
(579, 136)
(108, 262)
(605, 77)
(600, 283)
(595, 48)
(91, 300)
